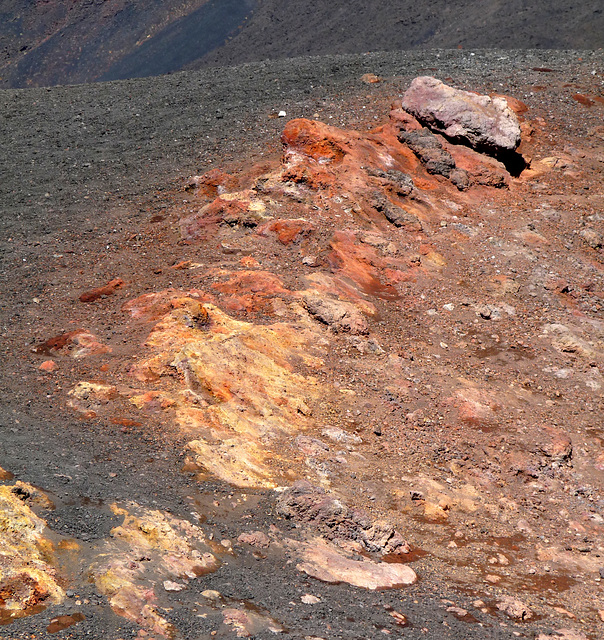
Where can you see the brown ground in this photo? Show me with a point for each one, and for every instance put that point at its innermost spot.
(471, 371)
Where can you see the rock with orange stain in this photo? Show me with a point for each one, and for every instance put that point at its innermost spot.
(211, 184)
(152, 306)
(235, 209)
(402, 119)
(360, 263)
(288, 231)
(370, 78)
(148, 548)
(102, 292)
(315, 140)
(475, 406)
(49, 366)
(79, 343)
(481, 169)
(250, 290)
(249, 262)
(236, 391)
(338, 287)
(28, 579)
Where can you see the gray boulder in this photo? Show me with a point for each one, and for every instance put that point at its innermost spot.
(478, 121)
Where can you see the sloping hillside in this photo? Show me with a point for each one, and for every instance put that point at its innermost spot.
(57, 42)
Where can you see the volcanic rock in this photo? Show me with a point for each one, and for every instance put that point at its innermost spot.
(102, 292)
(323, 561)
(339, 315)
(249, 623)
(255, 539)
(478, 121)
(305, 503)
(514, 608)
(27, 577)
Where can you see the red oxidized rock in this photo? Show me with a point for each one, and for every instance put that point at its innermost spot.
(102, 292)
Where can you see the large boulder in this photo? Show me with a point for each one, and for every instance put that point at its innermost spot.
(483, 123)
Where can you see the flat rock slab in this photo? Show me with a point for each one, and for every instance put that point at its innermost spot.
(479, 121)
(323, 561)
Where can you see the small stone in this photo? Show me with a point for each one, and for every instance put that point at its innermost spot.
(514, 609)
(282, 114)
(335, 434)
(458, 611)
(493, 579)
(48, 365)
(399, 618)
(485, 312)
(255, 539)
(210, 594)
(307, 598)
(592, 238)
(173, 586)
(370, 78)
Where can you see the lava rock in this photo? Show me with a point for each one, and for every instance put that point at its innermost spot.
(478, 121)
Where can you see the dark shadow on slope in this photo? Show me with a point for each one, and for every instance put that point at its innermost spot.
(514, 162)
(184, 41)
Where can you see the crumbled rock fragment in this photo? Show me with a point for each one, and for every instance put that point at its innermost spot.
(102, 292)
(556, 444)
(305, 503)
(592, 238)
(401, 183)
(370, 78)
(514, 608)
(148, 545)
(255, 539)
(248, 623)
(437, 160)
(394, 214)
(307, 598)
(429, 150)
(339, 315)
(478, 121)
(339, 435)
